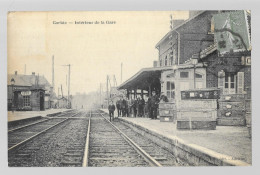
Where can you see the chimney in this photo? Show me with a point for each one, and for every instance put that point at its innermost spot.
(15, 72)
(33, 73)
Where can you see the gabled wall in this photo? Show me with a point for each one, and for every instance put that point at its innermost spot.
(194, 36)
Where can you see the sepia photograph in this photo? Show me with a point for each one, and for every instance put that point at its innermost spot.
(129, 88)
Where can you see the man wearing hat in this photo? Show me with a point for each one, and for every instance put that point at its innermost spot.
(153, 105)
(111, 109)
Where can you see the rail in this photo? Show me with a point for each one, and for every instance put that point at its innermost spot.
(144, 154)
(86, 152)
(39, 133)
(24, 126)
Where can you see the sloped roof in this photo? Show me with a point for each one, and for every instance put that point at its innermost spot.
(27, 80)
(147, 75)
(19, 80)
(140, 78)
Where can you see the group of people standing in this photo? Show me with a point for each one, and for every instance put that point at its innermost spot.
(126, 107)
(137, 107)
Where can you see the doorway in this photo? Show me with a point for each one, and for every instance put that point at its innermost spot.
(41, 101)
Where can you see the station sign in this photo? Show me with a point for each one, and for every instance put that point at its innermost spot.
(25, 93)
(200, 94)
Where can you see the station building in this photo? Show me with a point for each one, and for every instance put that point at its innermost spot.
(29, 92)
(170, 73)
(189, 60)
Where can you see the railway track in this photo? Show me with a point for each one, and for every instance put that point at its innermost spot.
(108, 146)
(161, 155)
(83, 139)
(52, 141)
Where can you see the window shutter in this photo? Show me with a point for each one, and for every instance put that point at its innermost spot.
(240, 82)
(221, 80)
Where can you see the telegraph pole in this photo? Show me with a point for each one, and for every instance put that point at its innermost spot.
(53, 73)
(121, 72)
(69, 105)
(107, 91)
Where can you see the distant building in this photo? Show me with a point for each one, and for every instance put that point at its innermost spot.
(29, 92)
(62, 102)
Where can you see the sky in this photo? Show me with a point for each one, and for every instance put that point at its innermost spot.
(94, 50)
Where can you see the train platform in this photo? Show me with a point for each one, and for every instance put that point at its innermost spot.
(226, 142)
(20, 115)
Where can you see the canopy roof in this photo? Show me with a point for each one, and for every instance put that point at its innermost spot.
(151, 77)
(144, 78)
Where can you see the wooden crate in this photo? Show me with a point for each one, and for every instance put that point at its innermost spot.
(232, 106)
(166, 112)
(231, 113)
(232, 121)
(197, 115)
(232, 97)
(231, 110)
(197, 104)
(207, 125)
(167, 105)
(166, 118)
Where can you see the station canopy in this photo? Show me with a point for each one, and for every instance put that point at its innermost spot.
(144, 78)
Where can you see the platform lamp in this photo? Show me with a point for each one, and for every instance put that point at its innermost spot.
(194, 61)
(12, 83)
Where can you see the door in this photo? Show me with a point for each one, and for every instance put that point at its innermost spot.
(230, 83)
(170, 90)
(41, 101)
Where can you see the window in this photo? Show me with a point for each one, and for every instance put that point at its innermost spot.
(170, 75)
(184, 74)
(166, 61)
(230, 82)
(174, 56)
(170, 91)
(198, 75)
(171, 61)
(26, 100)
(171, 58)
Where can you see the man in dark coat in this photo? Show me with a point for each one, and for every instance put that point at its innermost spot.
(138, 105)
(123, 107)
(111, 109)
(127, 108)
(141, 107)
(118, 107)
(134, 106)
(154, 102)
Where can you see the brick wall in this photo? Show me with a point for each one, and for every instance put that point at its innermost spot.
(193, 32)
(228, 64)
(191, 35)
